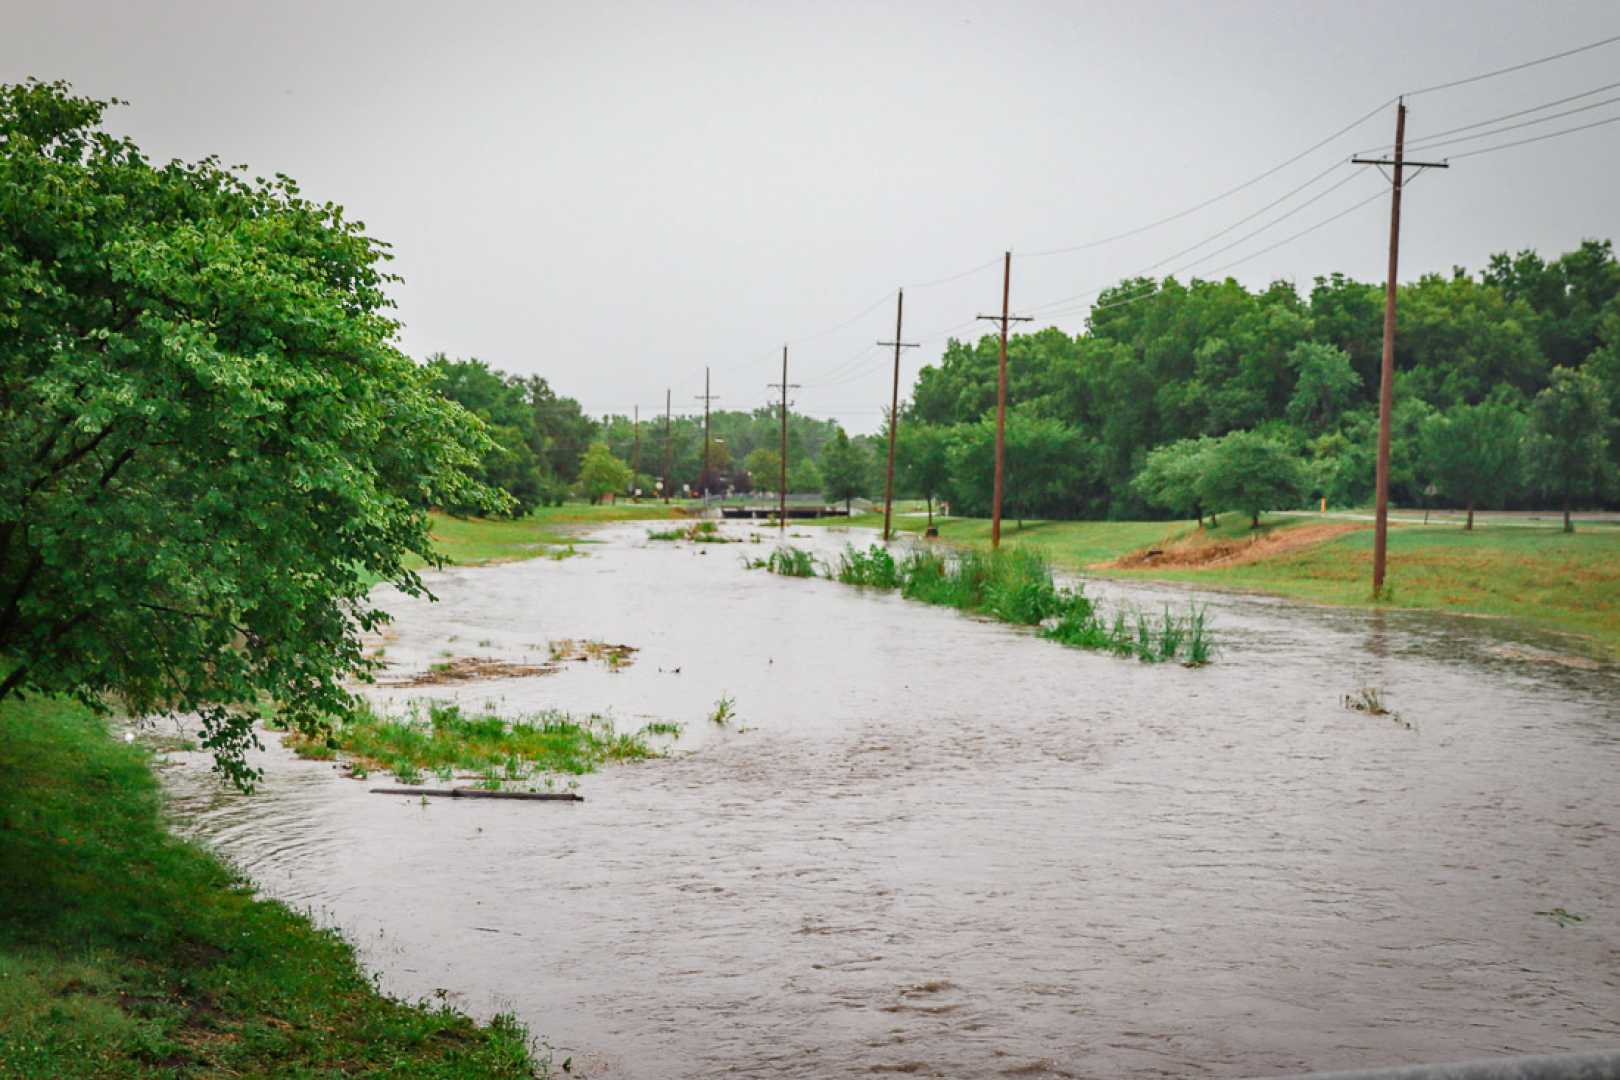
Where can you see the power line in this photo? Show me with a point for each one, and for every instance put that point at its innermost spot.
(1429, 144)
(1516, 67)
(1535, 139)
(1357, 122)
(1497, 119)
(1228, 247)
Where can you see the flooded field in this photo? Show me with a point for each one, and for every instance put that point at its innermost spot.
(936, 845)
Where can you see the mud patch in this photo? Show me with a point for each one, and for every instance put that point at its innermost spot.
(1196, 551)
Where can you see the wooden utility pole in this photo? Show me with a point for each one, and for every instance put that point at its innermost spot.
(1386, 376)
(668, 480)
(1001, 399)
(781, 484)
(894, 407)
(635, 455)
(706, 397)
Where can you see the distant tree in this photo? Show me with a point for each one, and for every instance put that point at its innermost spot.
(922, 464)
(211, 446)
(1247, 471)
(1566, 452)
(1471, 452)
(1172, 477)
(764, 464)
(510, 463)
(1044, 459)
(803, 475)
(843, 469)
(600, 472)
(1325, 385)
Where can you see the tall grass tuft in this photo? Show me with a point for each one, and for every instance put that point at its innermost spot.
(790, 561)
(873, 568)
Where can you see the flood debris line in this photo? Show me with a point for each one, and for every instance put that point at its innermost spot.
(616, 657)
(480, 793)
(437, 738)
(1370, 700)
(468, 668)
(1014, 586)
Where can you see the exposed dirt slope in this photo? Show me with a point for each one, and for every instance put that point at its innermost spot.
(1197, 550)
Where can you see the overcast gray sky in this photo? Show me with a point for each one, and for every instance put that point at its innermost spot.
(615, 195)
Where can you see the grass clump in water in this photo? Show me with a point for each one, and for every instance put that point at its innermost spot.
(699, 532)
(873, 568)
(790, 561)
(439, 738)
(725, 711)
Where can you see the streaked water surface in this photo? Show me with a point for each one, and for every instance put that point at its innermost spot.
(938, 845)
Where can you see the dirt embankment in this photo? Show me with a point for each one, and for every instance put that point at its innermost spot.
(1197, 550)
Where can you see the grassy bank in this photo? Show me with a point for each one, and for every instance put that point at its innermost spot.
(125, 951)
(472, 541)
(1541, 576)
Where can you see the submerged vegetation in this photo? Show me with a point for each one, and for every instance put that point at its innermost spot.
(698, 532)
(1015, 586)
(439, 739)
(126, 951)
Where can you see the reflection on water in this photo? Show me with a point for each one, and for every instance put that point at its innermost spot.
(940, 845)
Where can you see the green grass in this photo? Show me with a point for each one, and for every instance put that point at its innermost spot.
(127, 952)
(474, 541)
(1546, 578)
(439, 739)
(1542, 577)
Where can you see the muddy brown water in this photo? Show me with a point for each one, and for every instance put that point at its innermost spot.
(938, 845)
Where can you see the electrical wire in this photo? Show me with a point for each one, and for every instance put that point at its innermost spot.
(1535, 139)
(1515, 67)
(1492, 120)
(1429, 145)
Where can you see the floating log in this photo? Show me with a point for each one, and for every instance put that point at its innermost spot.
(480, 793)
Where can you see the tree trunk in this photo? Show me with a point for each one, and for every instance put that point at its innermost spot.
(930, 511)
(1470, 526)
(1198, 512)
(1256, 523)
(1569, 526)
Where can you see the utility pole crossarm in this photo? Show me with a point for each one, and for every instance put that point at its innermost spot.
(1407, 164)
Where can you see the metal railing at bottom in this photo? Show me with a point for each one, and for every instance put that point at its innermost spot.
(1604, 1065)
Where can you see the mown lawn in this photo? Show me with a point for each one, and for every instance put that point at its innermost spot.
(472, 541)
(128, 952)
(1543, 576)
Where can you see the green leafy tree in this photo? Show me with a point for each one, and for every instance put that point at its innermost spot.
(510, 463)
(601, 473)
(1247, 471)
(922, 462)
(843, 469)
(1471, 452)
(1567, 448)
(765, 466)
(803, 475)
(210, 446)
(1325, 385)
(1172, 477)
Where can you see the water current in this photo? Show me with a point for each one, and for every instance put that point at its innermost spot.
(938, 845)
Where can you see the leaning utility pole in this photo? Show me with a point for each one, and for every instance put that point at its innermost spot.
(668, 480)
(781, 484)
(1001, 399)
(894, 407)
(1386, 377)
(706, 397)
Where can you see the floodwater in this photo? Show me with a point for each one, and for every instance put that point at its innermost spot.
(939, 845)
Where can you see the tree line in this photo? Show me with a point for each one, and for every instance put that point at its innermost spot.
(1184, 398)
